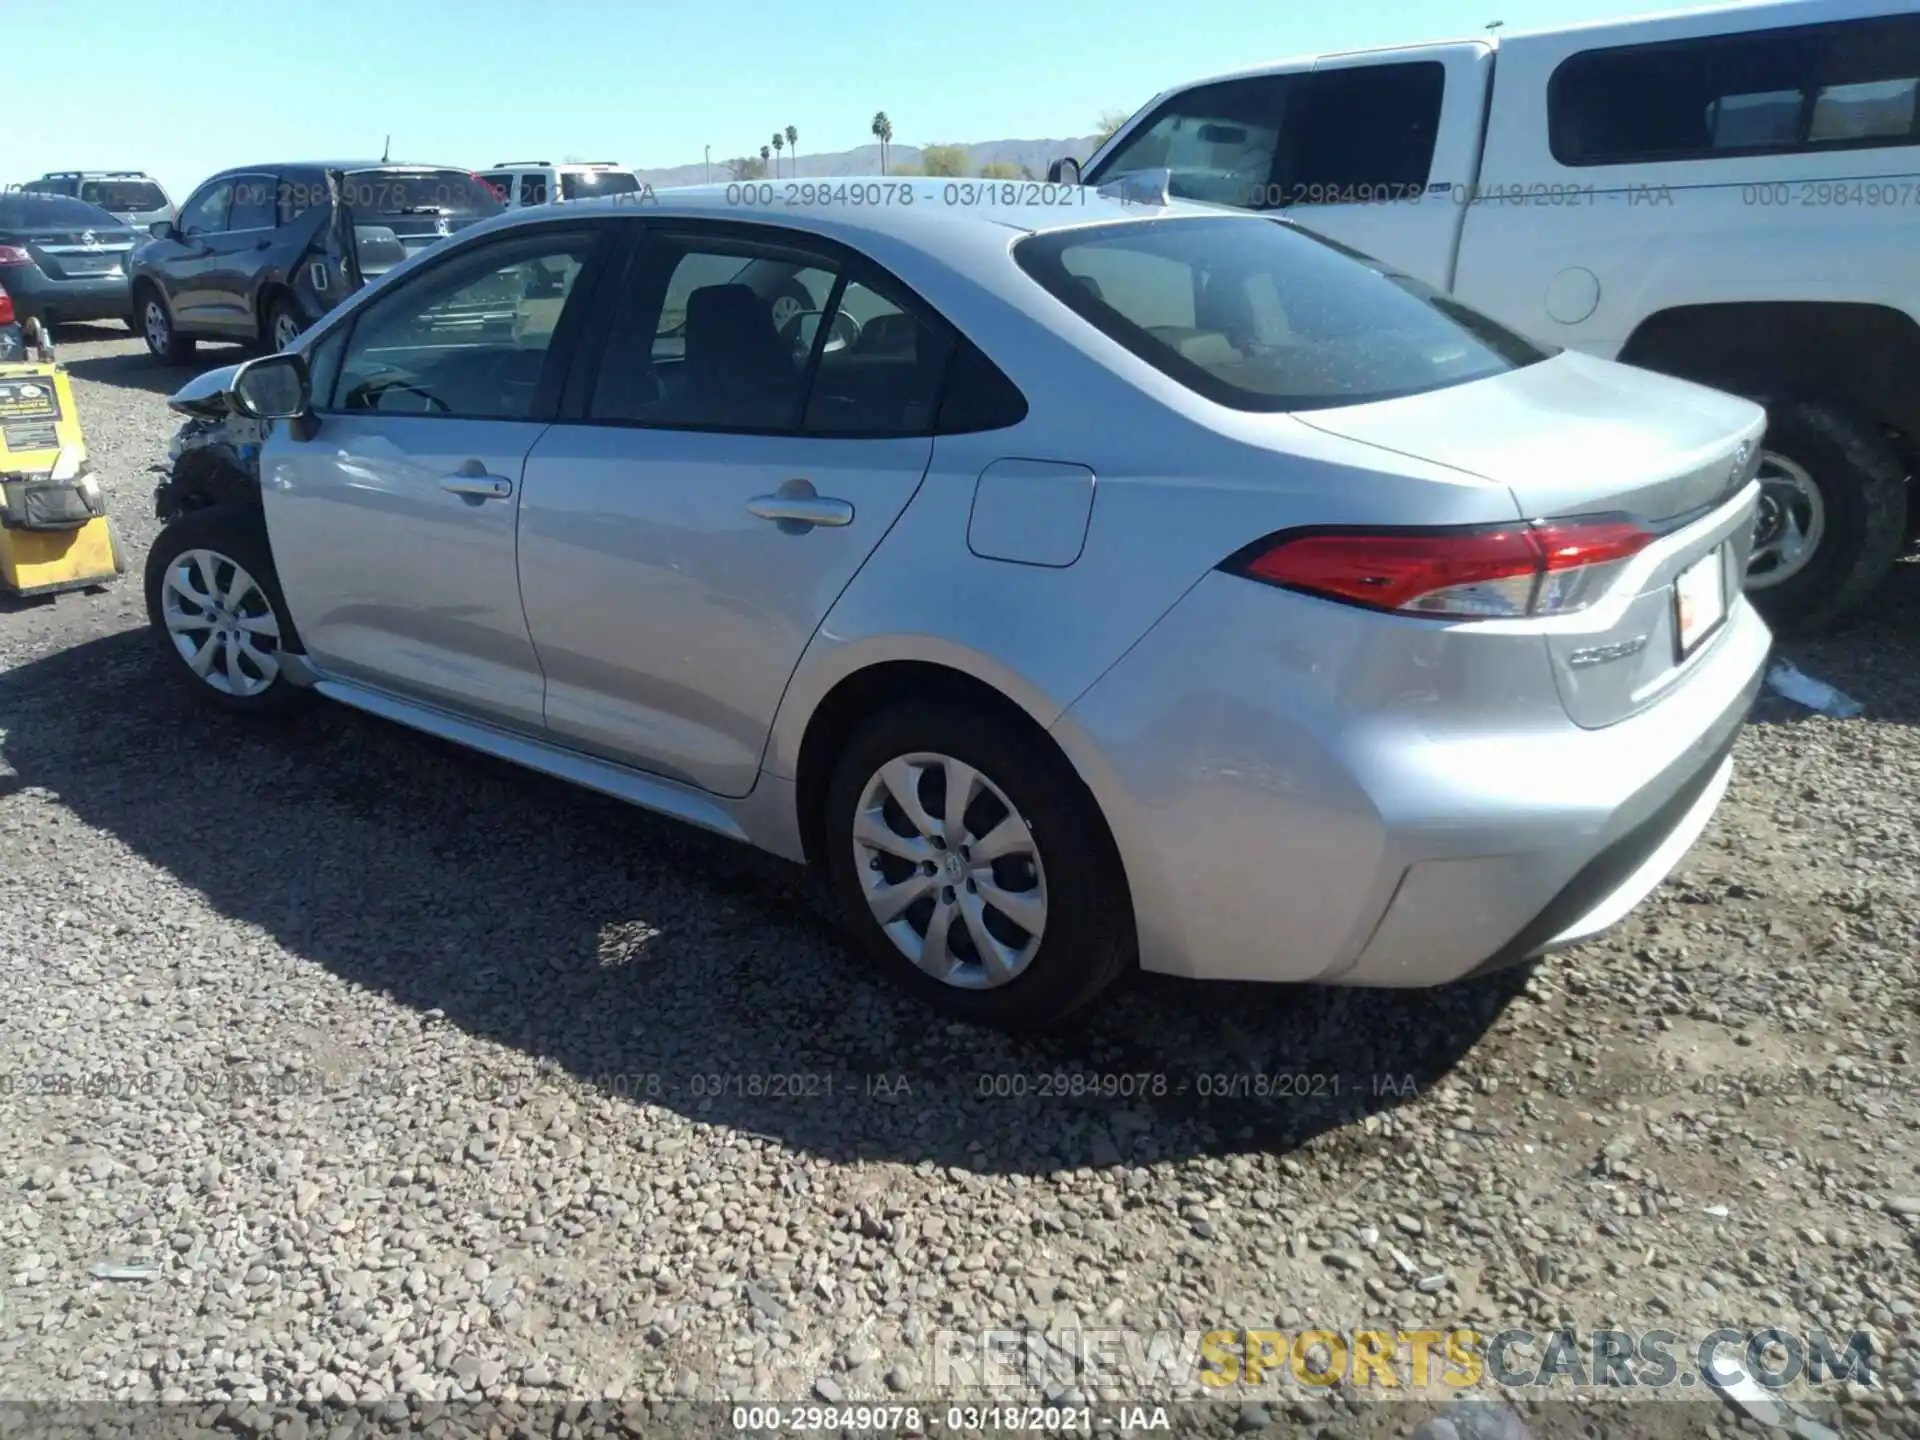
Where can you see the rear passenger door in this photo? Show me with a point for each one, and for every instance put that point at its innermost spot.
(712, 486)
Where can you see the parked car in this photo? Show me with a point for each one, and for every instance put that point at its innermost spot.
(262, 251)
(63, 260)
(1335, 633)
(1728, 195)
(132, 197)
(540, 182)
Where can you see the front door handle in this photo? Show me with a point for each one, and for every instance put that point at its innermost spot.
(797, 508)
(473, 479)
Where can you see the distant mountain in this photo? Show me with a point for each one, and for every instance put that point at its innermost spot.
(1035, 155)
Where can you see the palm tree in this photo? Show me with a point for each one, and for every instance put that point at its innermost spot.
(793, 148)
(883, 132)
(764, 153)
(779, 144)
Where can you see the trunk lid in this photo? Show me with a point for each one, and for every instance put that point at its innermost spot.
(80, 254)
(1573, 436)
(1578, 436)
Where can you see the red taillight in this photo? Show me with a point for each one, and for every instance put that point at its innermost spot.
(6, 308)
(1550, 568)
(14, 255)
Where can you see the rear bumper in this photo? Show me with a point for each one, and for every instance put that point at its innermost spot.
(105, 297)
(1307, 792)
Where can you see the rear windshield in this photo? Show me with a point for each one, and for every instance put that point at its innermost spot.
(1258, 314)
(124, 194)
(585, 186)
(420, 192)
(23, 210)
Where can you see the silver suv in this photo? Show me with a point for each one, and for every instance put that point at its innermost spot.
(132, 197)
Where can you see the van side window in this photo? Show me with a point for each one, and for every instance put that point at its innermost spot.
(1842, 85)
(1367, 133)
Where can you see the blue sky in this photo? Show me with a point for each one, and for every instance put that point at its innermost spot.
(183, 89)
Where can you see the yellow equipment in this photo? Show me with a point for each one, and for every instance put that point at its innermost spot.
(54, 530)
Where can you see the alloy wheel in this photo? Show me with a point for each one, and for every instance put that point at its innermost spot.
(158, 328)
(784, 308)
(221, 622)
(950, 870)
(286, 330)
(1790, 522)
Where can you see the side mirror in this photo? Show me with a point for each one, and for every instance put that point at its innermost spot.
(273, 387)
(162, 230)
(1064, 171)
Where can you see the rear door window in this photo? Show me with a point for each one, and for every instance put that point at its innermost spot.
(880, 366)
(533, 189)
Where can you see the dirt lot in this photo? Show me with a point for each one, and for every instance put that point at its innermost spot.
(418, 1076)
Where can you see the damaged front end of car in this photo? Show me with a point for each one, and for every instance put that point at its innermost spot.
(214, 457)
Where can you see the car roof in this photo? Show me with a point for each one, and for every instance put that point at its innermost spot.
(267, 166)
(1028, 206)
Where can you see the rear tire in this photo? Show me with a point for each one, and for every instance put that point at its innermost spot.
(164, 342)
(1053, 864)
(217, 613)
(1833, 516)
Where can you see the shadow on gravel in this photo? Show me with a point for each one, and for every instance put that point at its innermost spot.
(1875, 659)
(138, 370)
(652, 961)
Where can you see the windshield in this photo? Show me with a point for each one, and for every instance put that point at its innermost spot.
(24, 210)
(124, 195)
(420, 192)
(585, 185)
(1258, 314)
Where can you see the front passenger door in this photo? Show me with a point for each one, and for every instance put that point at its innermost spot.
(393, 527)
(186, 267)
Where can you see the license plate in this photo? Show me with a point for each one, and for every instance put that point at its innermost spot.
(1700, 599)
(91, 264)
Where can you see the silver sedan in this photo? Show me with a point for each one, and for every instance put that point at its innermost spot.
(1080, 581)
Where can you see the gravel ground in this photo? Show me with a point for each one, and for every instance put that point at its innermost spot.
(418, 1076)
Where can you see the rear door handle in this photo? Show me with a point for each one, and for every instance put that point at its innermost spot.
(473, 479)
(797, 508)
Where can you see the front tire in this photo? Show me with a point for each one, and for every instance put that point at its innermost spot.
(217, 613)
(1833, 516)
(971, 863)
(164, 342)
(283, 325)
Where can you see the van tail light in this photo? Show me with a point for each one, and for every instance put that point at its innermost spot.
(14, 255)
(6, 309)
(1551, 567)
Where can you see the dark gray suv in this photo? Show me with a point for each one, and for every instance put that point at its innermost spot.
(262, 251)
